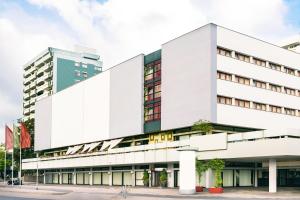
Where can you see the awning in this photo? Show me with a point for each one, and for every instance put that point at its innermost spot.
(86, 148)
(76, 148)
(114, 143)
(69, 151)
(105, 145)
(93, 146)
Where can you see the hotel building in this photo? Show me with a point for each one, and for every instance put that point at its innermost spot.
(138, 116)
(52, 71)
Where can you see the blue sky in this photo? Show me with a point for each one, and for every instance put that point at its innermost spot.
(120, 29)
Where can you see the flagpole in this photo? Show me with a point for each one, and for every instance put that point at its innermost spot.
(12, 164)
(4, 166)
(20, 165)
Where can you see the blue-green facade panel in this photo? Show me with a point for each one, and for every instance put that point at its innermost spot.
(156, 55)
(67, 73)
(153, 126)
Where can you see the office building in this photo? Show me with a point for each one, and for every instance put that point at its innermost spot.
(138, 116)
(54, 70)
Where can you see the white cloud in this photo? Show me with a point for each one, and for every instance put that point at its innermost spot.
(120, 29)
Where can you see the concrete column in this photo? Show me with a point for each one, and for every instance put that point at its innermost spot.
(60, 177)
(150, 175)
(255, 178)
(74, 177)
(208, 178)
(110, 177)
(187, 157)
(44, 177)
(133, 176)
(272, 175)
(170, 171)
(91, 177)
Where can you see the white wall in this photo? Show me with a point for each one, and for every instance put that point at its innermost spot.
(43, 119)
(126, 98)
(189, 78)
(108, 105)
(249, 117)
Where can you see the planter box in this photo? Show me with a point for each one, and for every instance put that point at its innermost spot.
(216, 190)
(199, 189)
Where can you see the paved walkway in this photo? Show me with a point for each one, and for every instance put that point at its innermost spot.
(152, 193)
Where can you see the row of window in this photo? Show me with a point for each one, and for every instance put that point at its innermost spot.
(153, 70)
(78, 73)
(257, 106)
(152, 91)
(257, 61)
(257, 83)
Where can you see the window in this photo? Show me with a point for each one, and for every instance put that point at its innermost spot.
(223, 52)
(242, 57)
(259, 84)
(275, 109)
(274, 66)
(289, 70)
(259, 106)
(77, 64)
(149, 90)
(149, 71)
(152, 112)
(242, 80)
(224, 100)
(259, 62)
(289, 91)
(242, 103)
(224, 76)
(275, 88)
(76, 81)
(84, 65)
(84, 74)
(96, 68)
(157, 90)
(157, 69)
(289, 111)
(77, 73)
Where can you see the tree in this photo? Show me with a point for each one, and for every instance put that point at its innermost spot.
(163, 178)
(2, 160)
(202, 126)
(146, 178)
(201, 167)
(217, 165)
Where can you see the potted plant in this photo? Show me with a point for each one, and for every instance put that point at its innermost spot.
(201, 167)
(217, 165)
(163, 177)
(146, 178)
(202, 126)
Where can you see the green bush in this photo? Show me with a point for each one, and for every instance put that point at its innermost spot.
(203, 126)
(201, 167)
(217, 165)
(163, 178)
(146, 178)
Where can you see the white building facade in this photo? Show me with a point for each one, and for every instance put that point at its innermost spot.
(136, 117)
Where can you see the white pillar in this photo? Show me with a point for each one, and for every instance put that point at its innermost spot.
(208, 178)
(187, 169)
(133, 176)
(74, 177)
(255, 178)
(272, 175)
(44, 180)
(170, 175)
(60, 176)
(110, 176)
(91, 176)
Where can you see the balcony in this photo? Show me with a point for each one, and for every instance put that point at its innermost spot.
(45, 86)
(31, 116)
(30, 70)
(26, 111)
(26, 96)
(32, 109)
(45, 94)
(42, 60)
(32, 93)
(26, 88)
(45, 68)
(32, 101)
(32, 85)
(45, 77)
(26, 104)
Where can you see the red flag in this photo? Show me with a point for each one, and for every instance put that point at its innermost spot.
(25, 137)
(8, 139)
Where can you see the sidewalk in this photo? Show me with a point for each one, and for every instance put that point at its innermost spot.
(251, 193)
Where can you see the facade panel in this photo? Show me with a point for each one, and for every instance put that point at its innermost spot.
(126, 98)
(188, 79)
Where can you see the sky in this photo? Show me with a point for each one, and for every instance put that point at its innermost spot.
(121, 29)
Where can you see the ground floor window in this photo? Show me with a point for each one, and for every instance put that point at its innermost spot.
(82, 178)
